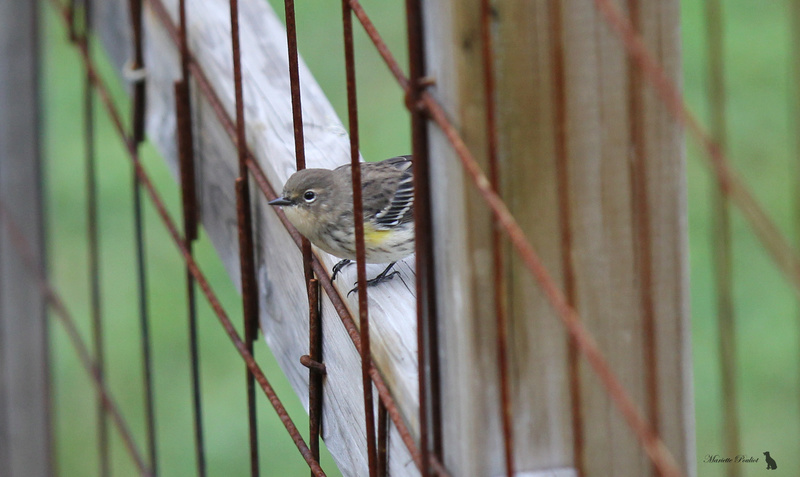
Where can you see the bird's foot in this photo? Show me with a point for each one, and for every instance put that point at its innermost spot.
(339, 266)
(384, 276)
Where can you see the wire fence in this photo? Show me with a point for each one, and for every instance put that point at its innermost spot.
(427, 448)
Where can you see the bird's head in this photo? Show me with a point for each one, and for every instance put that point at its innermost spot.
(307, 198)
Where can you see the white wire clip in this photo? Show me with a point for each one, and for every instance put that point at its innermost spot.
(133, 75)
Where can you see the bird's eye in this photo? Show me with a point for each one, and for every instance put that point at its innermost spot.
(310, 196)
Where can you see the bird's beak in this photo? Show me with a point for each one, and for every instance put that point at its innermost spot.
(280, 201)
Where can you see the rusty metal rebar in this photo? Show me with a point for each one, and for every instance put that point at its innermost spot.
(497, 207)
(721, 238)
(189, 210)
(183, 112)
(313, 361)
(584, 342)
(341, 308)
(383, 439)
(650, 441)
(731, 184)
(312, 286)
(358, 214)
(228, 326)
(172, 229)
(250, 310)
(245, 231)
(352, 330)
(565, 228)
(202, 282)
(498, 257)
(643, 251)
(137, 63)
(380, 45)
(137, 135)
(297, 115)
(427, 324)
(23, 248)
(93, 239)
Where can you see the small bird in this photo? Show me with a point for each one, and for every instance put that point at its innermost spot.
(319, 203)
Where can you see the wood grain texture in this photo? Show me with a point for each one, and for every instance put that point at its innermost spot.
(25, 440)
(616, 236)
(283, 301)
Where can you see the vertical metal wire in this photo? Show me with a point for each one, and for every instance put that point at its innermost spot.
(498, 263)
(117, 122)
(137, 136)
(93, 242)
(23, 248)
(358, 214)
(188, 195)
(144, 324)
(316, 367)
(139, 99)
(565, 214)
(245, 228)
(204, 285)
(641, 219)
(383, 439)
(250, 312)
(427, 324)
(297, 116)
(205, 88)
(721, 238)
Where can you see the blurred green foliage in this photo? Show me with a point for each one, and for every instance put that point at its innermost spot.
(762, 144)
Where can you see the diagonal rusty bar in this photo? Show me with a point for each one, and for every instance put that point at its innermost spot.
(731, 184)
(172, 229)
(84, 355)
(319, 269)
(653, 445)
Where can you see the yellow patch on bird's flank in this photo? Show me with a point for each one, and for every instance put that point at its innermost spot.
(374, 237)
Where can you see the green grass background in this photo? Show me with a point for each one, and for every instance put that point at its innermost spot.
(762, 143)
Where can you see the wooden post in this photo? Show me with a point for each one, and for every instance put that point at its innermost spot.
(592, 166)
(24, 394)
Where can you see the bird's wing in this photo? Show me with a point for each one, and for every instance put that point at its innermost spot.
(400, 208)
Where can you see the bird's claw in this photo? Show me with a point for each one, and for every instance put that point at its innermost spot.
(339, 266)
(374, 281)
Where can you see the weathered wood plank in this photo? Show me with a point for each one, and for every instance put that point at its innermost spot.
(283, 301)
(604, 218)
(25, 440)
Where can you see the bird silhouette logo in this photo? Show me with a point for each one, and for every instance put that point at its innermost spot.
(771, 465)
